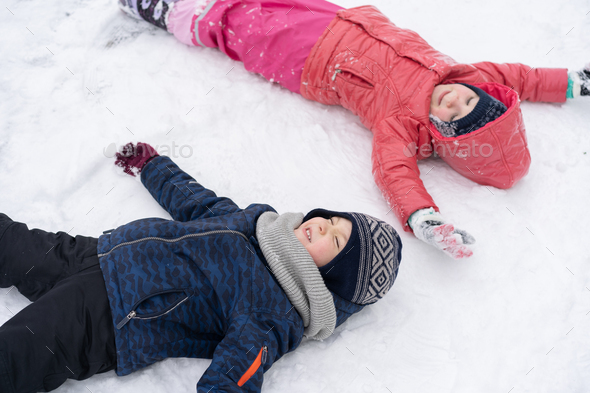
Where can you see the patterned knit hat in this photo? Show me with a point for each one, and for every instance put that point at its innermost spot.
(487, 109)
(364, 271)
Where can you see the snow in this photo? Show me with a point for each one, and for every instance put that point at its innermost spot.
(79, 75)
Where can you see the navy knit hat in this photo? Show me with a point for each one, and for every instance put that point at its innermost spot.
(487, 109)
(364, 271)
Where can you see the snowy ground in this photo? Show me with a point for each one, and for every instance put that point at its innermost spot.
(79, 75)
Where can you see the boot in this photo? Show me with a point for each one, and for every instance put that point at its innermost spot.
(152, 11)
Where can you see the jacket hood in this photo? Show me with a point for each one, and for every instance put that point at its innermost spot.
(496, 154)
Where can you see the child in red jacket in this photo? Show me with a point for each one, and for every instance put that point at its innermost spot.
(416, 100)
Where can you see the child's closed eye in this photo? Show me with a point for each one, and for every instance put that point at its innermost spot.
(335, 237)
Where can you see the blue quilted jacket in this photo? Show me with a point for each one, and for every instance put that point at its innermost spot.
(198, 286)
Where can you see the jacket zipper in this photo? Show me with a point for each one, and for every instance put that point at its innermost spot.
(259, 361)
(162, 239)
(133, 314)
(127, 318)
(335, 73)
(264, 354)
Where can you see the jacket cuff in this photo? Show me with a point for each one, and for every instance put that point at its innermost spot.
(556, 83)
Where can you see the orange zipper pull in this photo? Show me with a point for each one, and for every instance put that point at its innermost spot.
(260, 359)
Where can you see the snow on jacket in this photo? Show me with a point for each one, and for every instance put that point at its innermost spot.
(198, 286)
(386, 75)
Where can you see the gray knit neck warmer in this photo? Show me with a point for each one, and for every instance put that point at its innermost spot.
(296, 272)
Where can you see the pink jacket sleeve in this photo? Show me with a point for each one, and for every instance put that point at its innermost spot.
(395, 168)
(532, 84)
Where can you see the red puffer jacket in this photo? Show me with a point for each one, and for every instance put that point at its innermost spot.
(386, 75)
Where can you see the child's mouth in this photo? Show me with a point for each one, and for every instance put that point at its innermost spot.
(308, 233)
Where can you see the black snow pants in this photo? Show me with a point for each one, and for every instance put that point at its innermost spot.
(67, 331)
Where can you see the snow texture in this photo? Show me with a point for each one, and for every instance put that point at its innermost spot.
(80, 77)
(446, 128)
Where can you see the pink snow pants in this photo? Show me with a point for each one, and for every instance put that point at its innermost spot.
(271, 37)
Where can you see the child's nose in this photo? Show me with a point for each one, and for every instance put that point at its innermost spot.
(324, 228)
(451, 99)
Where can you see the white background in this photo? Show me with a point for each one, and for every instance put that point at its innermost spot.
(77, 76)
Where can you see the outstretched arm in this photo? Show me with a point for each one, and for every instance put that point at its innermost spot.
(396, 173)
(532, 84)
(177, 192)
(181, 195)
(395, 168)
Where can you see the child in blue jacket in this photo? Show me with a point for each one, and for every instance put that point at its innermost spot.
(239, 286)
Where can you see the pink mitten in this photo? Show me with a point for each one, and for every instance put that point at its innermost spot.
(429, 226)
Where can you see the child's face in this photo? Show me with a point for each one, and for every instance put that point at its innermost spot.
(324, 238)
(452, 102)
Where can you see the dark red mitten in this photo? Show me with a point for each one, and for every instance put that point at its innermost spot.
(133, 158)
